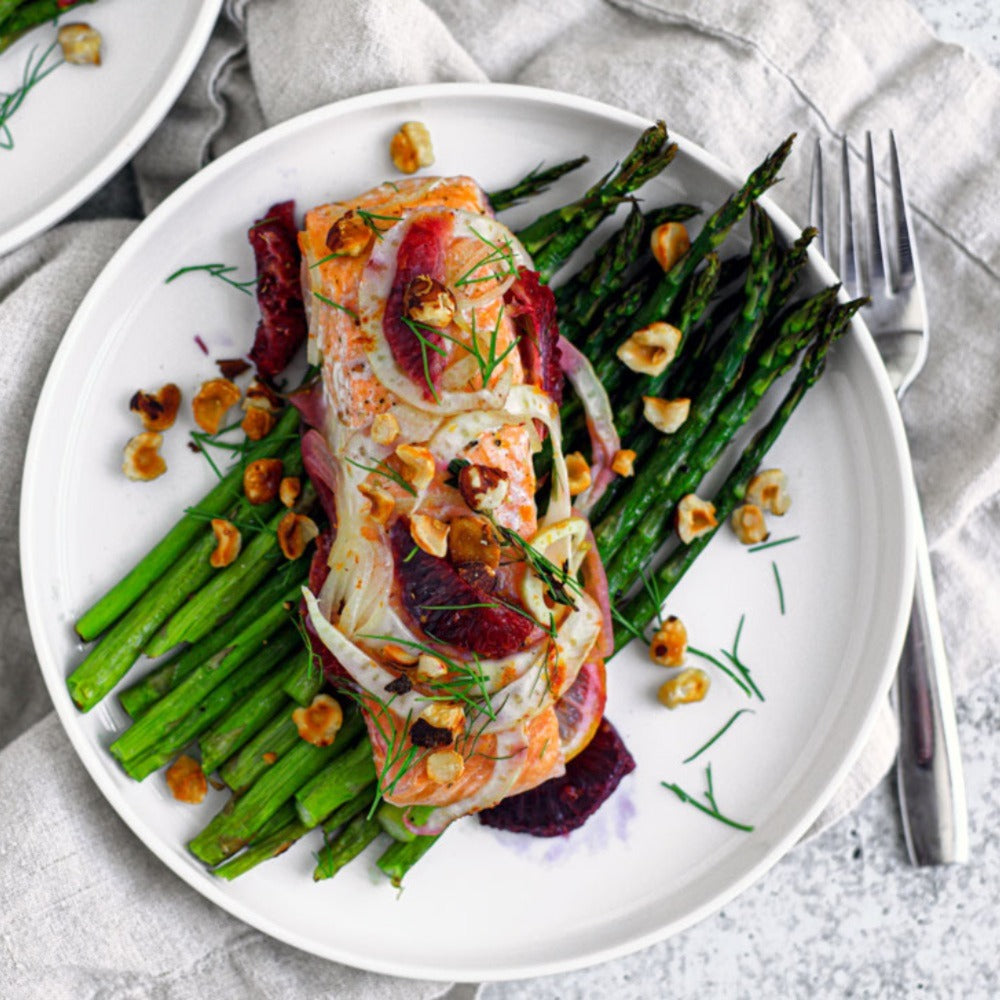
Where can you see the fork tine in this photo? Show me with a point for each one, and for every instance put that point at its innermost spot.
(848, 262)
(905, 266)
(817, 217)
(873, 245)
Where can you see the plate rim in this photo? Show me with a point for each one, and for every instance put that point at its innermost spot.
(91, 755)
(118, 155)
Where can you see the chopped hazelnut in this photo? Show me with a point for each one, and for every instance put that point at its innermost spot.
(212, 402)
(482, 487)
(260, 410)
(445, 766)
(669, 243)
(430, 534)
(257, 423)
(320, 721)
(410, 148)
(444, 715)
(689, 685)
(670, 643)
(473, 540)
(262, 479)
(382, 502)
(186, 780)
(624, 462)
(143, 460)
(579, 473)
(289, 490)
(80, 44)
(748, 523)
(649, 350)
(385, 428)
(427, 302)
(398, 655)
(157, 410)
(295, 532)
(227, 543)
(350, 235)
(418, 465)
(430, 668)
(768, 489)
(666, 415)
(694, 517)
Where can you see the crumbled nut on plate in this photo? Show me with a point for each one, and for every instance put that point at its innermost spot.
(398, 655)
(320, 721)
(212, 401)
(385, 428)
(769, 490)
(350, 235)
(623, 464)
(430, 667)
(410, 148)
(427, 302)
(262, 480)
(157, 410)
(382, 501)
(444, 715)
(473, 540)
(143, 460)
(430, 534)
(482, 487)
(669, 243)
(666, 415)
(579, 473)
(295, 532)
(227, 543)
(257, 423)
(689, 685)
(445, 766)
(418, 465)
(80, 44)
(650, 349)
(694, 517)
(290, 490)
(748, 523)
(669, 645)
(186, 780)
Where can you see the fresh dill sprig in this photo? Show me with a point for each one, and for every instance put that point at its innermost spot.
(370, 219)
(557, 580)
(328, 257)
(781, 589)
(733, 656)
(709, 807)
(652, 588)
(425, 346)
(498, 253)
(34, 73)
(771, 545)
(735, 678)
(327, 301)
(381, 469)
(722, 732)
(204, 515)
(220, 271)
(626, 624)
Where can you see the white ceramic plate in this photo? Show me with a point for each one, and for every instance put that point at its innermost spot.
(646, 865)
(82, 123)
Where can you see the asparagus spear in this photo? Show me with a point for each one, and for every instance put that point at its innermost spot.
(535, 182)
(262, 849)
(303, 682)
(262, 751)
(340, 850)
(338, 783)
(181, 536)
(401, 856)
(642, 608)
(22, 17)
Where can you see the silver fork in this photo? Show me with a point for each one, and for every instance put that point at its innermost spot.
(929, 765)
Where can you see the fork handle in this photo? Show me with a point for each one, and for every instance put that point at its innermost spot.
(929, 765)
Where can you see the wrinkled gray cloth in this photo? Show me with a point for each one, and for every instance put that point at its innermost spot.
(729, 75)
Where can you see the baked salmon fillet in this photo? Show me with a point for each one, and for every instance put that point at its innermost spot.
(456, 613)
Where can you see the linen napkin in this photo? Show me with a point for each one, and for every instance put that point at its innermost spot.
(85, 910)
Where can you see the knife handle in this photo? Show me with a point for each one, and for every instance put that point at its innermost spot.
(929, 766)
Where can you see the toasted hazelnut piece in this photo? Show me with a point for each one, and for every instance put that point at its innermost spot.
(445, 766)
(579, 473)
(669, 243)
(473, 540)
(350, 235)
(261, 406)
(748, 523)
(430, 668)
(212, 402)
(382, 502)
(666, 415)
(768, 489)
(186, 780)
(228, 543)
(649, 350)
(624, 462)
(483, 487)
(289, 490)
(689, 685)
(143, 460)
(428, 302)
(80, 44)
(670, 643)
(430, 534)
(444, 715)
(319, 722)
(262, 479)
(257, 423)
(398, 655)
(385, 428)
(295, 532)
(157, 410)
(410, 148)
(418, 465)
(694, 517)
